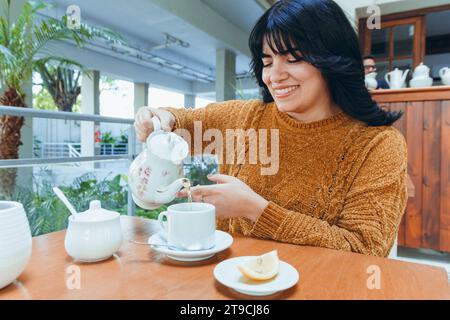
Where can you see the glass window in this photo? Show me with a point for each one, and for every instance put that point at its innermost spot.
(380, 43)
(402, 64)
(403, 40)
(382, 69)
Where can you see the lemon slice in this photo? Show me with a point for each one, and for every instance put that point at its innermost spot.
(262, 267)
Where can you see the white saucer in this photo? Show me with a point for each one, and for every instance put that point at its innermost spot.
(221, 242)
(228, 274)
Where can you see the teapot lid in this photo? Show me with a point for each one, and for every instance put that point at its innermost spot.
(421, 66)
(96, 213)
(168, 146)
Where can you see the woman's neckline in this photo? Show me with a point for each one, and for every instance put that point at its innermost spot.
(337, 118)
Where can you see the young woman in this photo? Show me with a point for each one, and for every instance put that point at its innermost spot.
(341, 181)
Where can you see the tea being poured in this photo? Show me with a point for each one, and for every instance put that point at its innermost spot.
(187, 186)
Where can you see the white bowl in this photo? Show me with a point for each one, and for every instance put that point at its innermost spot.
(421, 82)
(15, 232)
(15, 241)
(9, 208)
(12, 266)
(9, 228)
(13, 246)
(19, 252)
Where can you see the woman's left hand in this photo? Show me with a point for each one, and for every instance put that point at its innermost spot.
(231, 197)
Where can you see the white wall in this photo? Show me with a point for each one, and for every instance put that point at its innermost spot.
(50, 130)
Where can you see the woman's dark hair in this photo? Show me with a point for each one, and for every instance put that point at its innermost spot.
(368, 56)
(319, 32)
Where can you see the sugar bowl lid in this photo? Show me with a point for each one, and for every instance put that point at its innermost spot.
(96, 213)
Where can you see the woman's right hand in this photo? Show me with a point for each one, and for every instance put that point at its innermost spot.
(143, 124)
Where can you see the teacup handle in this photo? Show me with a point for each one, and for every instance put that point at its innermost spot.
(160, 219)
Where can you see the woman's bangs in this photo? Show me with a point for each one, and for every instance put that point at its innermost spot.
(280, 42)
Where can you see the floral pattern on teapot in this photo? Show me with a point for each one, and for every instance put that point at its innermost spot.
(156, 175)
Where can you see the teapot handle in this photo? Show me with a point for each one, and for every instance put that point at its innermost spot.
(387, 78)
(156, 123)
(156, 127)
(443, 71)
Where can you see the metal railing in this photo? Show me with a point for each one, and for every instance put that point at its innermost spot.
(73, 150)
(113, 148)
(57, 150)
(73, 153)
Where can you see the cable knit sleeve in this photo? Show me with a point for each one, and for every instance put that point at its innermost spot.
(220, 116)
(372, 210)
(217, 115)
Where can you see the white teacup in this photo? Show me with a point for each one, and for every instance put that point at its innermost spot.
(189, 226)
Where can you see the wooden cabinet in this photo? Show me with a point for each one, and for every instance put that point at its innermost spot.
(426, 127)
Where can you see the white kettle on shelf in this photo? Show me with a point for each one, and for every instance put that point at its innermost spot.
(371, 81)
(421, 77)
(396, 78)
(444, 73)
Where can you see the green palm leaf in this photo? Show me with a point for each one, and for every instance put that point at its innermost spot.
(24, 42)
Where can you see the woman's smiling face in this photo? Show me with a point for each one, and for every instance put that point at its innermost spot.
(296, 86)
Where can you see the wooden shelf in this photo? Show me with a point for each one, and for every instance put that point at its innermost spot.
(411, 94)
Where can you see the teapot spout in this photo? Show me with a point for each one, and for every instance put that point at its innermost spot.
(167, 194)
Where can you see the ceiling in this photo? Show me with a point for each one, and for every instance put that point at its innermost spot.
(206, 25)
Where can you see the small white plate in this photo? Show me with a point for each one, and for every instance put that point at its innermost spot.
(228, 274)
(222, 241)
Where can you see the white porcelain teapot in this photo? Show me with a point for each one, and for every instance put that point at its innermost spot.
(396, 78)
(371, 81)
(421, 71)
(444, 73)
(421, 77)
(156, 175)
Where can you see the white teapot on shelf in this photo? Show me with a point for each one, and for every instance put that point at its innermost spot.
(396, 78)
(421, 77)
(371, 81)
(156, 175)
(444, 73)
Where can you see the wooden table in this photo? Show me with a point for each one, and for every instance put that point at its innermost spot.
(138, 272)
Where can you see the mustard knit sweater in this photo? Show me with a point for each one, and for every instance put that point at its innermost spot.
(341, 184)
